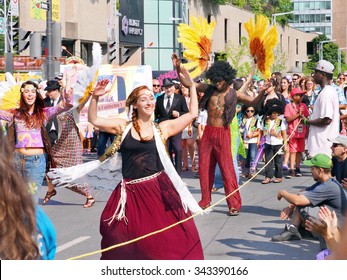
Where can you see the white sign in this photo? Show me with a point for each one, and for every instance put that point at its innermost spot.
(15, 8)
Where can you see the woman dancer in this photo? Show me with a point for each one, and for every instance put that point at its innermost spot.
(28, 136)
(67, 151)
(151, 195)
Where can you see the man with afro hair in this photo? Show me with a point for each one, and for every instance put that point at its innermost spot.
(220, 100)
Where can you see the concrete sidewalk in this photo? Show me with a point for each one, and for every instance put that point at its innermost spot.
(248, 236)
(244, 237)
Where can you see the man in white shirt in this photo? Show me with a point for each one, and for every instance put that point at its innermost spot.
(324, 120)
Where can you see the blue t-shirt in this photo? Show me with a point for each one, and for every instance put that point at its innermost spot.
(329, 193)
(46, 236)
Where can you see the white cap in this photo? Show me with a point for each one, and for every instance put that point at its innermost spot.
(339, 140)
(325, 66)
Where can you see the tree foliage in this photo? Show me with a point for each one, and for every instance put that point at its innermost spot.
(240, 59)
(330, 53)
(268, 8)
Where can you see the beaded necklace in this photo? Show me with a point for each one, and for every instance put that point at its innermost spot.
(218, 105)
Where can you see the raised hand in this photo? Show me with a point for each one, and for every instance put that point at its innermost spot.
(176, 61)
(328, 216)
(100, 88)
(185, 78)
(316, 225)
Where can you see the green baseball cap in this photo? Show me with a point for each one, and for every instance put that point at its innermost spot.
(319, 160)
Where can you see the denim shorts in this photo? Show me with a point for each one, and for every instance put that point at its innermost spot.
(33, 170)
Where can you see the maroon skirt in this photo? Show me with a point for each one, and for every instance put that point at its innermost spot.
(151, 205)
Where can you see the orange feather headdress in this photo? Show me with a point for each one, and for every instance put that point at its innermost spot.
(262, 43)
(197, 44)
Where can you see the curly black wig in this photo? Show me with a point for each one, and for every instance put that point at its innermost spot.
(221, 70)
(274, 105)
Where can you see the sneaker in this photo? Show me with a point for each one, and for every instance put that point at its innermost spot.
(285, 167)
(290, 232)
(290, 175)
(298, 172)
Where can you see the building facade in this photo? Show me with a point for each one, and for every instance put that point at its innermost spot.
(314, 16)
(86, 21)
(327, 17)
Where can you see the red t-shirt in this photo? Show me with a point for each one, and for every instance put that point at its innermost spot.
(292, 109)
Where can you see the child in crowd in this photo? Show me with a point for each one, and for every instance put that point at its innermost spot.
(274, 130)
(88, 136)
(293, 113)
(249, 128)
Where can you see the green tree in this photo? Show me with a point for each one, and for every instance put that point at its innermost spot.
(280, 60)
(240, 58)
(268, 8)
(220, 2)
(257, 6)
(330, 53)
(239, 3)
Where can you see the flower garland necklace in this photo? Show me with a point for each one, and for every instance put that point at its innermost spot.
(218, 105)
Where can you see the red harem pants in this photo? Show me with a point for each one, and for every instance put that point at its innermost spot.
(215, 147)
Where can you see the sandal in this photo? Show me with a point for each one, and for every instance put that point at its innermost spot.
(185, 169)
(205, 206)
(49, 196)
(266, 181)
(233, 212)
(214, 189)
(278, 180)
(89, 203)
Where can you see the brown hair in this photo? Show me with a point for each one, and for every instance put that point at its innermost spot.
(310, 79)
(131, 100)
(38, 117)
(17, 211)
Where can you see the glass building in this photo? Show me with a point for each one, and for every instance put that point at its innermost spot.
(313, 16)
(161, 18)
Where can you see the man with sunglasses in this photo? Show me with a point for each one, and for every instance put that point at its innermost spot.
(156, 88)
(339, 153)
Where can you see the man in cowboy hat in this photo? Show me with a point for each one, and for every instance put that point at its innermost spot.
(170, 106)
(53, 98)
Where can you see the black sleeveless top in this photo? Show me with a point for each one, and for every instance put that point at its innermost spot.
(139, 159)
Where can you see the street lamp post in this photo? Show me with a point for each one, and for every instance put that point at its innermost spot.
(321, 47)
(279, 14)
(49, 23)
(339, 58)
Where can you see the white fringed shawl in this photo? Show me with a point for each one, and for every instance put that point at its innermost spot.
(103, 175)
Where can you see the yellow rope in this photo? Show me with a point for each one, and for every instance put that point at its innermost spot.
(187, 219)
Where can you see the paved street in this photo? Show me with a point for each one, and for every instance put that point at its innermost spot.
(245, 237)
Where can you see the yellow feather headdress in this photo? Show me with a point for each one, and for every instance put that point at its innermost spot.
(196, 40)
(9, 93)
(262, 43)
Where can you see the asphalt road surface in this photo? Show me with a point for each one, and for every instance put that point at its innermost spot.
(244, 237)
